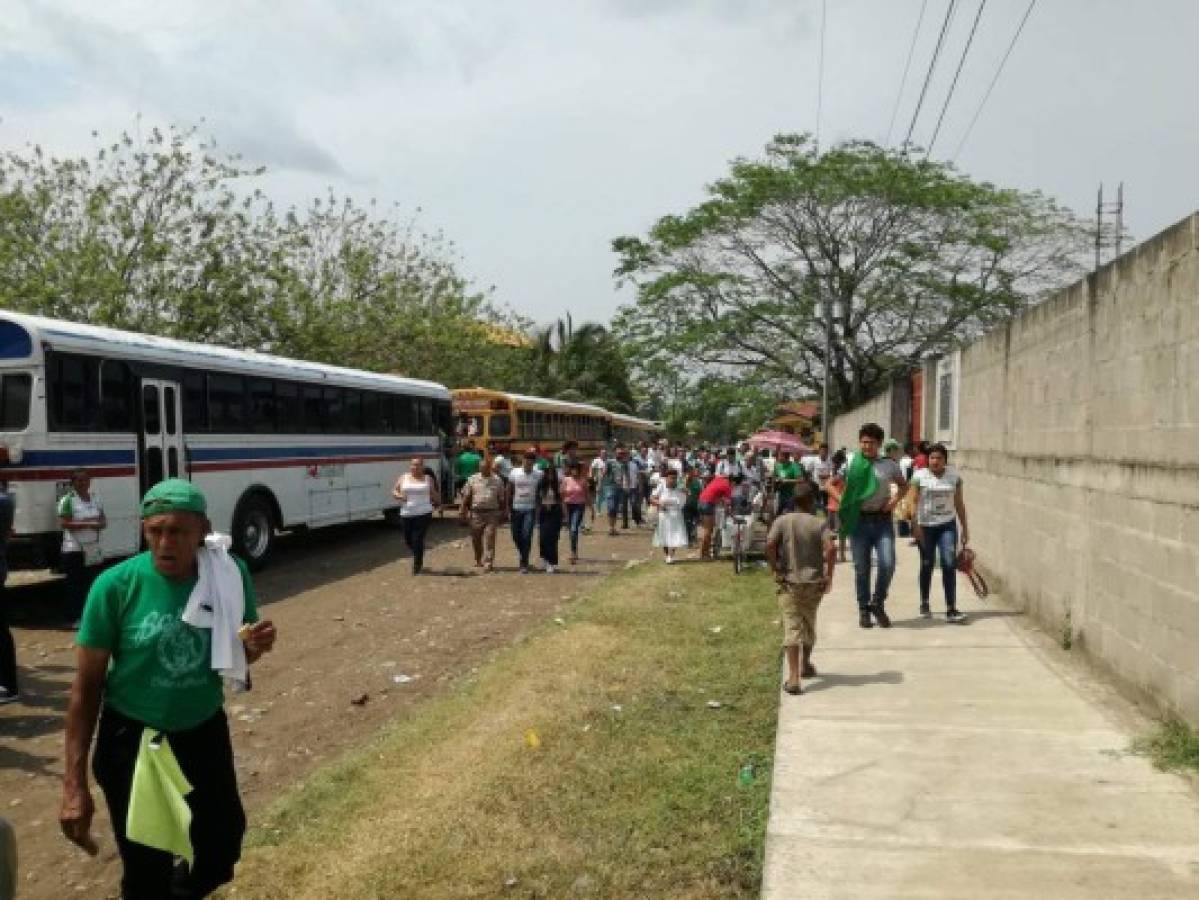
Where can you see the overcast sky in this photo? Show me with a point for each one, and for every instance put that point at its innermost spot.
(534, 131)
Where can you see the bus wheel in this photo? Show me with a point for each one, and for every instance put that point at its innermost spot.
(254, 531)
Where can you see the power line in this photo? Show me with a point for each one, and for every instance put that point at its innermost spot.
(906, 67)
(953, 85)
(998, 72)
(931, 68)
(820, 78)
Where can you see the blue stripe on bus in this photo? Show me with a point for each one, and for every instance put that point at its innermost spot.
(67, 458)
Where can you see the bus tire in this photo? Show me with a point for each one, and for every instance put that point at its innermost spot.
(254, 530)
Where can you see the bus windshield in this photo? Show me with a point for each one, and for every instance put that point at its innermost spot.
(15, 388)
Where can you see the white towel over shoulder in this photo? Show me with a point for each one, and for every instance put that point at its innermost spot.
(218, 601)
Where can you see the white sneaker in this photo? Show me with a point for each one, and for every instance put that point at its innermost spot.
(549, 569)
(670, 560)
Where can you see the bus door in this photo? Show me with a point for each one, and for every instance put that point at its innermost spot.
(162, 433)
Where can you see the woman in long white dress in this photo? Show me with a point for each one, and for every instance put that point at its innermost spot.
(669, 498)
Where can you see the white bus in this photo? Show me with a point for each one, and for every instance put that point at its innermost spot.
(273, 443)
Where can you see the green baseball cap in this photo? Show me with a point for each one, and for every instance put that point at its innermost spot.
(173, 495)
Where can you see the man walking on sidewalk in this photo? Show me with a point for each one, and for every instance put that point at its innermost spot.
(802, 553)
(873, 486)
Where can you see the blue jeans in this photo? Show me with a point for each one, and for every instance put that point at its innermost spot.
(522, 533)
(875, 533)
(576, 511)
(941, 540)
(614, 499)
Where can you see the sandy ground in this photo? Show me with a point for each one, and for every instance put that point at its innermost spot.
(354, 624)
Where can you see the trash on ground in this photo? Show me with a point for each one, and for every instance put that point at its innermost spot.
(716, 629)
(361, 699)
(714, 704)
(532, 740)
(401, 678)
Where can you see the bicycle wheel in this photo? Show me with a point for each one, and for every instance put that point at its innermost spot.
(738, 552)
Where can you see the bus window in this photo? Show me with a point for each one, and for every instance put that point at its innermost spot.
(425, 422)
(313, 409)
(227, 403)
(14, 402)
(370, 413)
(150, 423)
(195, 403)
(116, 396)
(500, 425)
(153, 465)
(353, 413)
(443, 416)
(262, 404)
(73, 392)
(406, 417)
(289, 413)
(469, 426)
(335, 409)
(168, 403)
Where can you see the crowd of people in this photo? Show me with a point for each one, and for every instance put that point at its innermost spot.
(159, 633)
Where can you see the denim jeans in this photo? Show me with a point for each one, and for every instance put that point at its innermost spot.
(941, 540)
(522, 533)
(576, 512)
(873, 533)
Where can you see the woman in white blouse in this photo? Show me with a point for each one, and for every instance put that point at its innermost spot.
(418, 496)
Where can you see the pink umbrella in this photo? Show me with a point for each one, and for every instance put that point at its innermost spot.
(779, 440)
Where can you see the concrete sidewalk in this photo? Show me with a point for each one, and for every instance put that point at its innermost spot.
(965, 761)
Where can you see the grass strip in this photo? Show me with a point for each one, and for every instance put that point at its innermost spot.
(587, 760)
(1173, 746)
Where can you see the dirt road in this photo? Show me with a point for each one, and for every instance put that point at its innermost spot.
(354, 627)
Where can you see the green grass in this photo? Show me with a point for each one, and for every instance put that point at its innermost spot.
(637, 802)
(1173, 747)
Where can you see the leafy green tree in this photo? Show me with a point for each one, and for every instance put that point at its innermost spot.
(164, 236)
(918, 258)
(583, 364)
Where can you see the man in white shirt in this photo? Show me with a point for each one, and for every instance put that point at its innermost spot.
(595, 476)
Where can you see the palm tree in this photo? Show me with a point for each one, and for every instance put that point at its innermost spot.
(582, 364)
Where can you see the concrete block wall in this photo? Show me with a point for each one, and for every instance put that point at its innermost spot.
(1077, 436)
(1078, 439)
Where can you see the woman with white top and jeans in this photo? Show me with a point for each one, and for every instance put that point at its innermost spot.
(81, 516)
(418, 496)
(939, 506)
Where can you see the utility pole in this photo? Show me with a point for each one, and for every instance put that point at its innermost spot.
(1116, 209)
(832, 310)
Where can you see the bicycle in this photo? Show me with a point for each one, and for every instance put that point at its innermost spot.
(740, 542)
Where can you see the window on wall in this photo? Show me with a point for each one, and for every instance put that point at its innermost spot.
(945, 402)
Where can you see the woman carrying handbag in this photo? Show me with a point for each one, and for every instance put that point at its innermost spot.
(939, 506)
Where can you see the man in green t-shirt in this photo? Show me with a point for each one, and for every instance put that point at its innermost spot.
(465, 466)
(140, 666)
(786, 476)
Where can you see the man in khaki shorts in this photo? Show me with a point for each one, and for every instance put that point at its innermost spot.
(802, 553)
(483, 509)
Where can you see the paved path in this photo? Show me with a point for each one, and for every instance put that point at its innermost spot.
(936, 760)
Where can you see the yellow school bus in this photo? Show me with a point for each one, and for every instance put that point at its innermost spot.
(630, 431)
(513, 422)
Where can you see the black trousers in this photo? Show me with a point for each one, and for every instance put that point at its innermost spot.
(218, 821)
(8, 649)
(79, 582)
(550, 529)
(415, 528)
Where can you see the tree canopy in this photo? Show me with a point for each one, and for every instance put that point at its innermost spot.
(165, 235)
(915, 257)
(583, 365)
